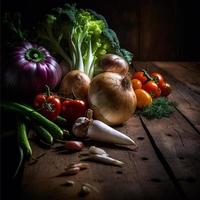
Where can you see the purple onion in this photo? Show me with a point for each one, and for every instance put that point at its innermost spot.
(32, 68)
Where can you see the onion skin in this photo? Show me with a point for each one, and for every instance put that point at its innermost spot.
(113, 63)
(32, 68)
(75, 84)
(112, 98)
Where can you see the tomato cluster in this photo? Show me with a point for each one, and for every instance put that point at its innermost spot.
(164, 86)
(51, 106)
(148, 86)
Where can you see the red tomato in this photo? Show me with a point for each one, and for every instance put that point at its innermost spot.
(73, 109)
(140, 76)
(49, 106)
(166, 89)
(152, 88)
(158, 78)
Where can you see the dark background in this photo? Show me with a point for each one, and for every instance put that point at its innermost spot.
(151, 29)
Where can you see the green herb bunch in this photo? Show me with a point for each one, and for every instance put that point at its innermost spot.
(161, 107)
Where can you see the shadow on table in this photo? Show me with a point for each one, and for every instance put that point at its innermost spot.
(10, 187)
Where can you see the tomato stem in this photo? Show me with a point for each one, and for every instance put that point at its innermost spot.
(46, 104)
(147, 75)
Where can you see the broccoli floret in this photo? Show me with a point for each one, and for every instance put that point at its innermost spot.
(98, 17)
(127, 55)
(67, 13)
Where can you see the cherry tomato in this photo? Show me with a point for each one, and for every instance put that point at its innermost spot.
(136, 84)
(152, 88)
(140, 76)
(73, 109)
(143, 98)
(48, 105)
(158, 78)
(166, 89)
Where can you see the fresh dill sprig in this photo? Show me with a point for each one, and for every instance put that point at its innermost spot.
(161, 107)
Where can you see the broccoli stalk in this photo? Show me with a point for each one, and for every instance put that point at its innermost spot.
(84, 36)
(89, 60)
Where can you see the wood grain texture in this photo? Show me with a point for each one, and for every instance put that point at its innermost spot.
(142, 176)
(157, 35)
(150, 29)
(166, 165)
(187, 99)
(179, 144)
(176, 141)
(186, 72)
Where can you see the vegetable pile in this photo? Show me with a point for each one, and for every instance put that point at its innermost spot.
(151, 90)
(71, 67)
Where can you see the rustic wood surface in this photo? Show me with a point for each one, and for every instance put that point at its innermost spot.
(165, 166)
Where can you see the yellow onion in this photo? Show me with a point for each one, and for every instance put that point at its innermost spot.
(75, 84)
(112, 98)
(113, 63)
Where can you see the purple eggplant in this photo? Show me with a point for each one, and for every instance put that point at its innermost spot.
(32, 68)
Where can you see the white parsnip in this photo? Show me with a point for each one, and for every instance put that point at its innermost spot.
(99, 131)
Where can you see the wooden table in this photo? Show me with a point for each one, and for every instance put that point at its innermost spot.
(166, 165)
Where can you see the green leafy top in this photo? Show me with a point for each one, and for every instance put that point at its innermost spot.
(79, 36)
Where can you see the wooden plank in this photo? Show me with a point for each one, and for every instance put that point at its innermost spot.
(188, 100)
(142, 176)
(179, 144)
(159, 30)
(176, 141)
(186, 72)
(147, 174)
(148, 166)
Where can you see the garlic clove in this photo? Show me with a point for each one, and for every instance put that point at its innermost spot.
(97, 150)
(69, 183)
(81, 165)
(85, 190)
(72, 171)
